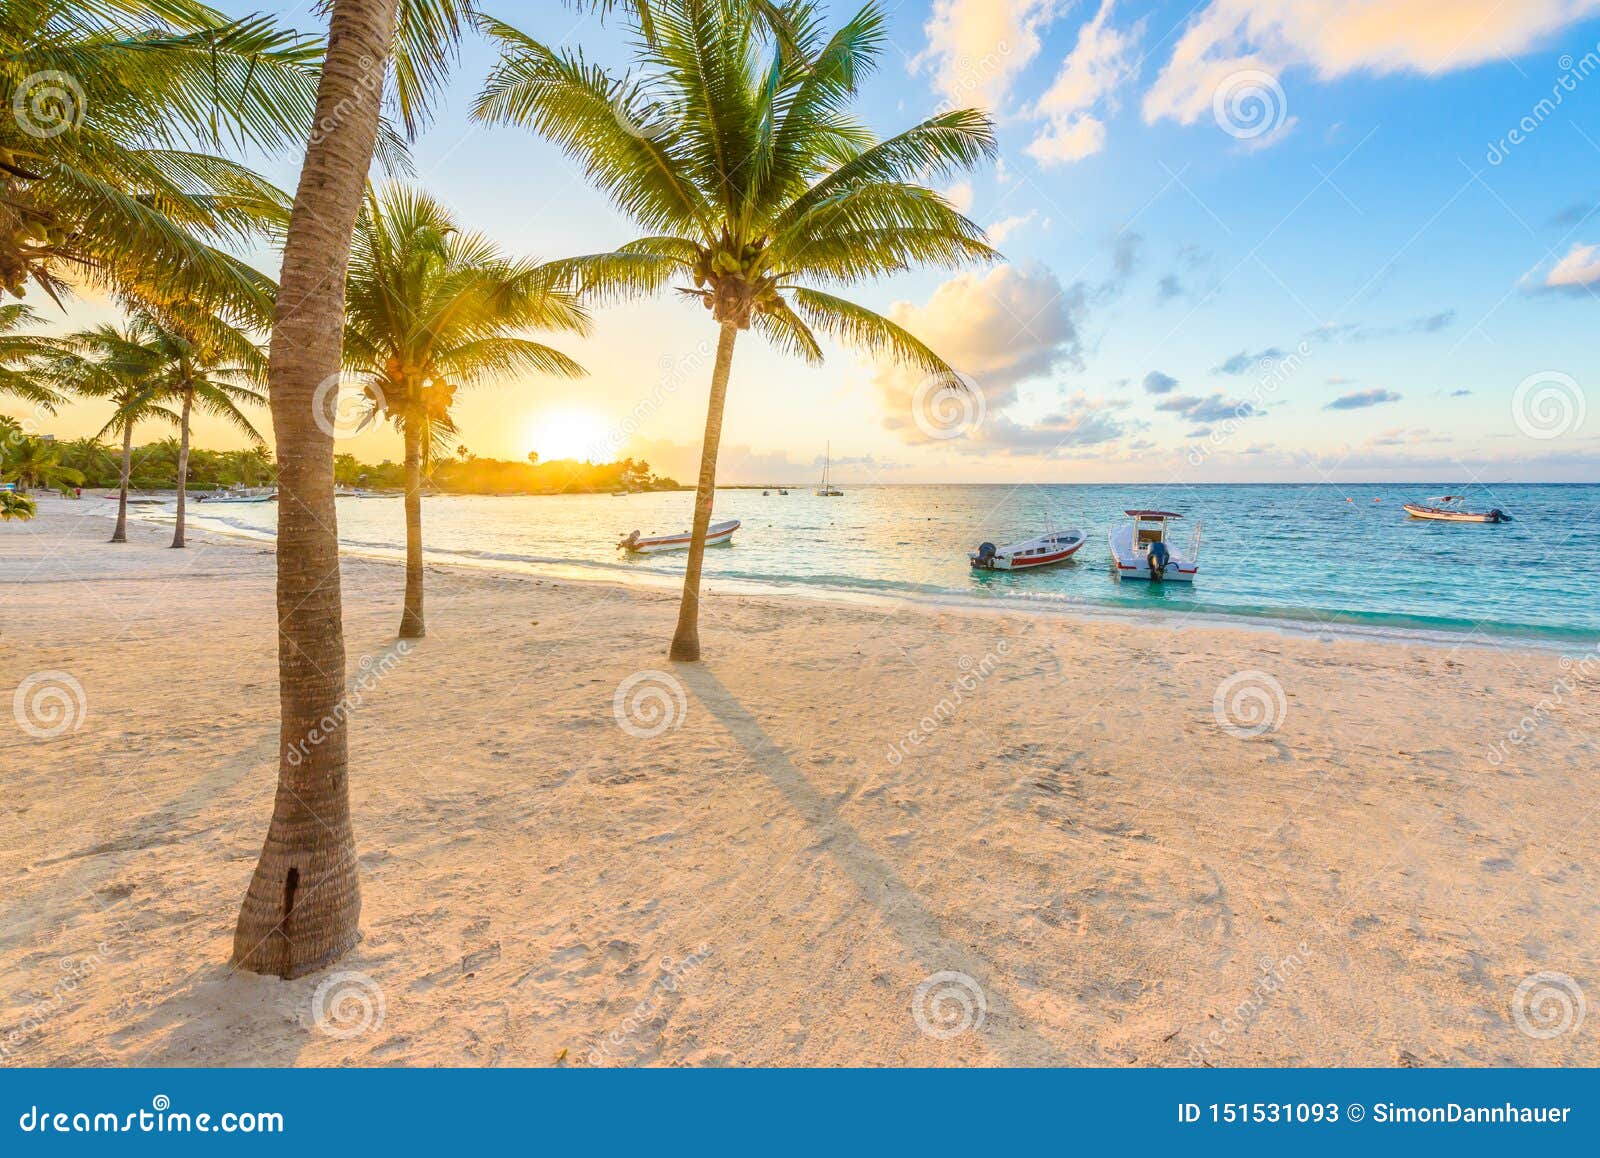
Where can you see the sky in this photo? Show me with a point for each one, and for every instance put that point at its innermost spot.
(1244, 241)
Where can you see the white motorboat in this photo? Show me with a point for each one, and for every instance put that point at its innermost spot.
(652, 544)
(240, 495)
(1055, 547)
(1452, 509)
(1142, 549)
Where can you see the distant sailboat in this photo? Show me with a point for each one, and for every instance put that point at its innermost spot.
(826, 490)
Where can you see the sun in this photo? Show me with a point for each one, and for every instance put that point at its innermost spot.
(572, 433)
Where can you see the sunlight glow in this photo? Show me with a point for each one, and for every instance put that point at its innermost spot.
(572, 433)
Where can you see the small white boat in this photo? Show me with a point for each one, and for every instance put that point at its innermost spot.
(241, 495)
(1056, 547)
(652, 544)
(781, 491)
(1142, 549)
(1452, 509)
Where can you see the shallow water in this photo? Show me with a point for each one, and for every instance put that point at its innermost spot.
(1299, 553)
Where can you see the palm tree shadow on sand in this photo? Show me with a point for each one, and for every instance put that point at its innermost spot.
(1006, 1032)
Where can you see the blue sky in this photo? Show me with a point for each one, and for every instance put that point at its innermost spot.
(1354, 272)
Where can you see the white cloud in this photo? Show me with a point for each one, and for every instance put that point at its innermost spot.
(959, 195)
(1006, 226)
(976, 48)
(998, 329)
(1337, 37)
(1578, 270)
(1103, 59)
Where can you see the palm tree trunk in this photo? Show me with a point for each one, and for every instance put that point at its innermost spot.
(120, 535)
(411, 625)
(304, 904)
(686, 640)
(183, 464)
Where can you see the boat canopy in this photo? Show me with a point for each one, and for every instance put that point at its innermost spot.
(1153, 514)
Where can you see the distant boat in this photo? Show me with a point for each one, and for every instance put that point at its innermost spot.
(827, 490)
(1452, 509)
(1141, 549)
(766, 494)
(240, 495)
(782, 491)
(653, 544)
(1055, 547)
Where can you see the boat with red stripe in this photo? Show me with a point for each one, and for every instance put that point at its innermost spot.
(1055, 547)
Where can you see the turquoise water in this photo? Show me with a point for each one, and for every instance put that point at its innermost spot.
(1299, 553)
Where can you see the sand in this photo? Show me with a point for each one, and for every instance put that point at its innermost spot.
(866, 835)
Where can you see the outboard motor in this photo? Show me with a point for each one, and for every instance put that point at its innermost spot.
(1499, 516)
(630, 540)
(1157, 559)
(985, 557)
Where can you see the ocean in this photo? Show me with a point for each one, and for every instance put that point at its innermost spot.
(1327, 557)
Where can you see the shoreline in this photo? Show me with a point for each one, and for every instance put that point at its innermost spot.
(1122, 844)
(1568, 641)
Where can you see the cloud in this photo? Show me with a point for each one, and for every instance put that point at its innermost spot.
(1361, 399)
(1006, 226)
(1156, 382)
(1334, 38)
(959, 195)
(1242, 362)
(976, 48)
(1169, 287)
(1102, 61)
(998, 328)
(1460, 393)
(1578, 270)
(1357, 332)
(1575, 215)
(1216, 408)
(1082, 421)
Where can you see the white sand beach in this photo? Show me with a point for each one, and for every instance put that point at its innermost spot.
(1072, 861)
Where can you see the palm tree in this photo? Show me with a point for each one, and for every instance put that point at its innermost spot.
(121, 367)
(303, 907)
(211, 366)
(752, 179)
(18, 353)
(107, 167)
(431, 310)
(36, 462)
(15, 506)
